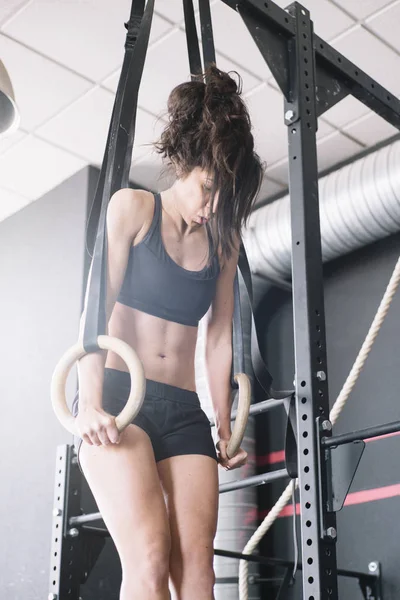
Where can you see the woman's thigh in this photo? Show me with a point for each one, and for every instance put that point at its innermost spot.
(125, 484)
(190, 485)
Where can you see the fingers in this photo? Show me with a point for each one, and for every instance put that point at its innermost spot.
(102, 433)
(235, 462)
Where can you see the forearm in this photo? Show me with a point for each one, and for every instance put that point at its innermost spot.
(218, 366)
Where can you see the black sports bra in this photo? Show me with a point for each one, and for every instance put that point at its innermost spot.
(155, 284)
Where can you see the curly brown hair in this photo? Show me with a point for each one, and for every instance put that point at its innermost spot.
(209, 127)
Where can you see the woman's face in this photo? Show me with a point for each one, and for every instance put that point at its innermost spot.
(196, 189)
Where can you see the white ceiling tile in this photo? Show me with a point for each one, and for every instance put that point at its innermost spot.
(8, 8)
(82, 128)
(233, 39)
(171, 9)
(148, 131)
(330, 150)
(371, 129)
(329, 20)
(324, 129)
(10, 140)
(335, 148)
(386, 24)
(269, 133)
(33, 167)
(41, 87)
(10, 203)
(345, 111)
(87, 37)
(371, 55)
(162, 74)
(362, 8)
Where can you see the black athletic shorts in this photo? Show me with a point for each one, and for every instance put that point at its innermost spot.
(172, 417)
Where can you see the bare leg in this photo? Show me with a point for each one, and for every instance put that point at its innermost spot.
(190, 486)
(126, 486)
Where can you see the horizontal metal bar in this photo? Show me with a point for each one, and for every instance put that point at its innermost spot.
(223, 488)
(253, 481)
(277, 562)
(256, 409)
(81, 519)
(272, 562)
(362, 434)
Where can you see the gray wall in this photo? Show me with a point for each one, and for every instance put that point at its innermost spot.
(354, 286)
(41, 273)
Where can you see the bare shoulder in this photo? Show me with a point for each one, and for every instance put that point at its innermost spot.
(129, 212)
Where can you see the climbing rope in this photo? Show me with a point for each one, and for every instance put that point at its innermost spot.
(334, 414)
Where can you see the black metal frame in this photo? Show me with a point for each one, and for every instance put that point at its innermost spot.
(76, 545)
(313, 77)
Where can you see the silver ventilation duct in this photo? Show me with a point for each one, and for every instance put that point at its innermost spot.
(238, 509)
(359, 204)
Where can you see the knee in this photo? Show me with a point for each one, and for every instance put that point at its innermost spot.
(153, 566)
(195, 570)
(150, 571)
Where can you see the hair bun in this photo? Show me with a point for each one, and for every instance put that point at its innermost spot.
(220, 84)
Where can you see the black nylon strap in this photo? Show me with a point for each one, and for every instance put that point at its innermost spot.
(115, 168)
(192, 40)
(238, 364)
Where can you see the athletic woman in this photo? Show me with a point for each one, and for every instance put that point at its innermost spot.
(172, 258)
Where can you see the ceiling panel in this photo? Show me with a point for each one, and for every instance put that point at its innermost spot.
(233, 39)
(265, 107)
(334, 148)
(8, 8)
(10, 203)
(82, 128)
(371, 129)
(33, 167)
(166, 66)
(330, 150)
(386, 24)
(371, 55)
(345, 111)
(41, 87)
(362, 8)
(87, 37)
(329, 20)
(160, 73)
(11, 140)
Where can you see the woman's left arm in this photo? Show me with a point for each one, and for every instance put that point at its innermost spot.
(218, 357)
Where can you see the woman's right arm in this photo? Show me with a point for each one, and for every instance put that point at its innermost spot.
(126, 216)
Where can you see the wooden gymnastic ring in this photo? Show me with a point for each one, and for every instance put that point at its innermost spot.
(242, 414)
(59, 379)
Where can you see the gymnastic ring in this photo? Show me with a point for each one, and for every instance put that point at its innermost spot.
(63, 367)
(242, 414)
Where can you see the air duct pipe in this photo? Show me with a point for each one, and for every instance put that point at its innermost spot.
(359, 204)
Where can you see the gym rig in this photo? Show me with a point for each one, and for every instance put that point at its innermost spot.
(313, 77)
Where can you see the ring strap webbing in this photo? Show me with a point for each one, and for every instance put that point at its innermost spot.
(116, 163)
(259, 367)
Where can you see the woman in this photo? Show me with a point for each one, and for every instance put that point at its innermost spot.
(171, 257)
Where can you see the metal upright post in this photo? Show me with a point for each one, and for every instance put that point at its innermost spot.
(66, 554)
(317, 528)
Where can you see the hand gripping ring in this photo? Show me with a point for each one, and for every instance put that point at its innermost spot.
(242, 414)
(138, 382)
